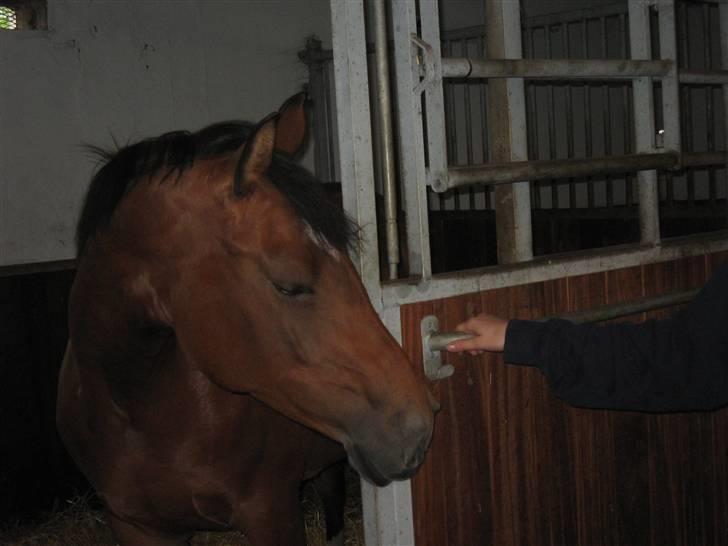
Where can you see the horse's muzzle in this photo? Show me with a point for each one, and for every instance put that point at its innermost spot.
(393, 452)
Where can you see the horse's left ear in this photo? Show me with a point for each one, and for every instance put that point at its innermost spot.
(291, 125)
(257, 153)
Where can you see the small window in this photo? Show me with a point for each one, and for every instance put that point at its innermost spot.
(23, 15)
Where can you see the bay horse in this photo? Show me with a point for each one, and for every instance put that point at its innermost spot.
(221, 346)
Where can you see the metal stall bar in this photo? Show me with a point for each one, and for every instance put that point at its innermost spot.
(353, 121)
(508, 135)
(432, 87)
(696, 77)
(318, 94)
(554, 69)
(723, 26)
(644, 122)
(624, 309)
(704, 159)
(387, 510)
(384, 112)
(670, 83)
(515, 171)
(411, 152)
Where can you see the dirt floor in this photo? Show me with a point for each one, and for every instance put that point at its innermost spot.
(78, 524)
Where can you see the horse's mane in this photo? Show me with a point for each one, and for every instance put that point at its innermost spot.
(170, 154)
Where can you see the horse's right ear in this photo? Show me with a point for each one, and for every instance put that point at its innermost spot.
(257, 153)
(291, 125)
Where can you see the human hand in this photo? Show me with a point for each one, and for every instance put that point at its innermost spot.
(489, 331)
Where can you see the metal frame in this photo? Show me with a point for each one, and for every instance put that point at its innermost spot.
(353, 122)
(388, 511)
(384, 114)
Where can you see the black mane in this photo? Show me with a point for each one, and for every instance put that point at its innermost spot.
(172, 153)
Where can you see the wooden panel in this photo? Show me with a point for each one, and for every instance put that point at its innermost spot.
(510, 464)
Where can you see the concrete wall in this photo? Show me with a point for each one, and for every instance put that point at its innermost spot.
(120, 70)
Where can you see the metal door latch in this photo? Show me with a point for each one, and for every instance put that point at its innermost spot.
(434, 341)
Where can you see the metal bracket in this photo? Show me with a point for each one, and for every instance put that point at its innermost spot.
(432, 360)
(427, 65)
(434, 341)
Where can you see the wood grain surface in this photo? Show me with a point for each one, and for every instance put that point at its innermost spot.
(511, 465)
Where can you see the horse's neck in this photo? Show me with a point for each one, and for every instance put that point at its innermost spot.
(109, 316)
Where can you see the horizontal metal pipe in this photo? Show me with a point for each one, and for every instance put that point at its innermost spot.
(716, 77)
(616, 310)
(704, 159)
(440, 340)
(543, 169)
(553, 69)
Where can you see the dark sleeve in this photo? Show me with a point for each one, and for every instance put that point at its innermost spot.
(677, 364)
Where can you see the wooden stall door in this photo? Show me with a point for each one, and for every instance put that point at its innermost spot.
(511, 465)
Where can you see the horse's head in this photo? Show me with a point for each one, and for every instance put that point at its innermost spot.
(254, 279)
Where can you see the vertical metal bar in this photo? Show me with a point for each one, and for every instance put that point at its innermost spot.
(384, 111)
(532, 132)
(411, 149)
(328, 122)
(670, 84)
(589, 151)
(551, 121)
(607, 118)
(393, 522)
(447, 200)
(707, 42)
(629, 144)
(483, 86)
(507, 115)
(355, 138)
(435, 117)
(644, 120)
(686, 99)
(468, 126)
(388, 519)
(627, 124)
(569, 115)
(317, 93)
(723, 18)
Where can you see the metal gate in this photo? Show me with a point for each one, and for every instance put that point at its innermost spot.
(572, 119)
(524, 164)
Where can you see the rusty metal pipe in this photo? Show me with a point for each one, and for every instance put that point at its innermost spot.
(553, 69)
(517, 171)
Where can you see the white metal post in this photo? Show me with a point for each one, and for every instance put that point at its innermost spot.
(355, 135)
(508, 137)
(411, 146)
(670, 83)
(644, 121)
(434, 99)
(387, 510)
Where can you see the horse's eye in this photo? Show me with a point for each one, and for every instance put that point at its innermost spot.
(293, 290)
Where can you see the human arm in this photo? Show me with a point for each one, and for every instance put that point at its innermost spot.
(676, 364)
(489, 334)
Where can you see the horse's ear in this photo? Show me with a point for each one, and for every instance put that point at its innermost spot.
(291, 126)
(257, 152)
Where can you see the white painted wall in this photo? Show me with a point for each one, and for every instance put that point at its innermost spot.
(123, 70)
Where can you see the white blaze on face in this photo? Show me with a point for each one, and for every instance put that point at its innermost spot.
(321, 242)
